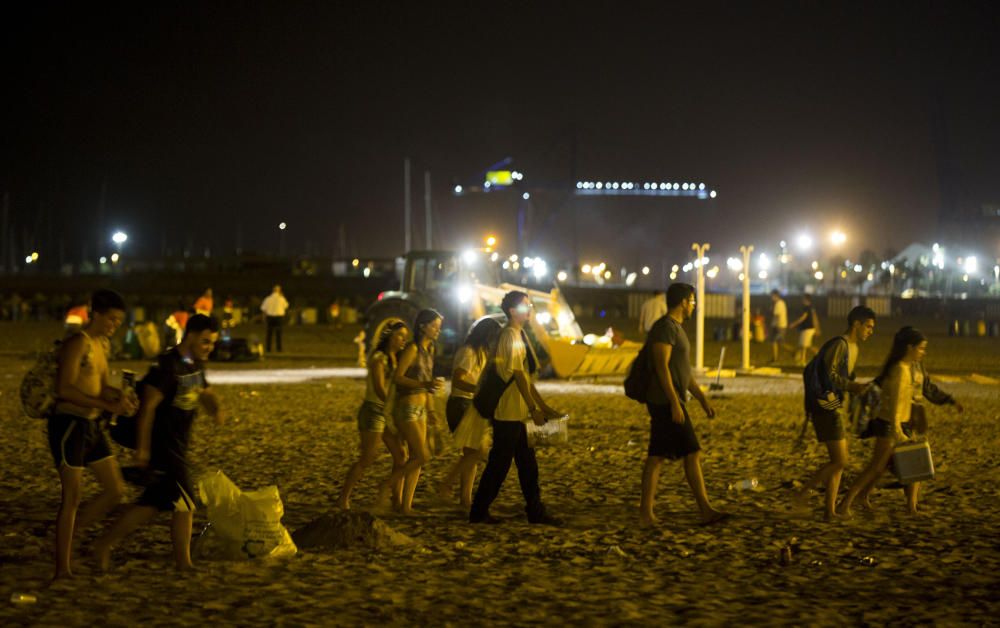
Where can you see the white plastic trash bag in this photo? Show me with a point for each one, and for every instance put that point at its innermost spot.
(246, 524)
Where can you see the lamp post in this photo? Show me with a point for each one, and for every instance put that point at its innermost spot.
(700, 250)
(745, 335)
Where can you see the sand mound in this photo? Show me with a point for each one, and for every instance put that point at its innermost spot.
(348, 530)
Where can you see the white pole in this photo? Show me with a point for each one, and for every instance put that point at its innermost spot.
(699, 360)
(745, 336)
(406, 205)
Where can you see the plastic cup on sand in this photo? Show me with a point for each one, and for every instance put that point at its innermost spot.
(23, 598)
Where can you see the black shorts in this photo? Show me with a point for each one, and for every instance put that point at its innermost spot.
(828, 424)
(668, 439)
(881, 428)
(77, 442)
(171, 487)
(455, 410)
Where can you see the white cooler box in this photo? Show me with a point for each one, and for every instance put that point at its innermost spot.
(912, 462)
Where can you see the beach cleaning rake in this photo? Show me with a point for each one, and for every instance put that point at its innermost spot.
(717, 384)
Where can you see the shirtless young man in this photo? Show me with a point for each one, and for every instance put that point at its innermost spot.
(76, 436)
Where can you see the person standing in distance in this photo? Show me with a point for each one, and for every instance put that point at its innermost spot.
(808, 324)
(205, 303)
(779, 324)
(653, 309)
(671, 433)
(274, 308)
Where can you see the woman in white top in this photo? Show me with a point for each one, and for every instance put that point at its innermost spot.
(905, 385)
(908, 346)
(471, 431)
(372, 413)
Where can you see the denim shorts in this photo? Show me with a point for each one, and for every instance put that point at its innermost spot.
(371, 417)
(408, 413)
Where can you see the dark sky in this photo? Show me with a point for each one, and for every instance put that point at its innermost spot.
(202, 119)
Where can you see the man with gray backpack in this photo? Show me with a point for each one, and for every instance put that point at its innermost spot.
(77, 438)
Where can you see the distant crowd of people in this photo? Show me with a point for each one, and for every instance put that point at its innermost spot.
(493, 398)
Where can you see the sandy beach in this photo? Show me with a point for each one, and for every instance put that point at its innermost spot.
(599, 568)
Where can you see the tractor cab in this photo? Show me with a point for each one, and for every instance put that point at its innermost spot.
(466, 286)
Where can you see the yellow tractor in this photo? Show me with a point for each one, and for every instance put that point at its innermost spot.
(465, 287)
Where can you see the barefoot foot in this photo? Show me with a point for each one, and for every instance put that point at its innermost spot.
(709, 517)
(102, 556)
(648, 520)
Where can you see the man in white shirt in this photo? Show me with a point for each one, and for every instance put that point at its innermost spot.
(779, 324)
(653, 309)
(274, 308)
(519, 402)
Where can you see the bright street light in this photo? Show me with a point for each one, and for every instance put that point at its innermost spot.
(119, 237)
(491, 241)
(804, 242)
(562, 275)
(838, 237)
(540, 269)
(645, 270)
(282, 226)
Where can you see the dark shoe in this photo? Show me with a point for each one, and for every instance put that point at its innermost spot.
(488, 519)
(546, 520)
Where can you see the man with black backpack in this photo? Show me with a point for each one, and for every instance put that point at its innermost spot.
(508, 396)
(172, 392)
(827, 380)
(671, 433)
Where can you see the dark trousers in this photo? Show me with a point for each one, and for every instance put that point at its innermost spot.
(274, 329)
(510, 442)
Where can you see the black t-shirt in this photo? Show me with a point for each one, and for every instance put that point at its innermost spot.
(809, 311)
(181, 381)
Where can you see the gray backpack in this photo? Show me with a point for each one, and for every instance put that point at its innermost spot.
(38, 387)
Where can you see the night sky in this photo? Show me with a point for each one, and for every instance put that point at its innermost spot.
(204, 119)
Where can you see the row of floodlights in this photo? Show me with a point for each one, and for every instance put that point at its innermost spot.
(629, 185)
